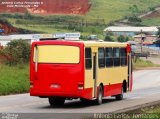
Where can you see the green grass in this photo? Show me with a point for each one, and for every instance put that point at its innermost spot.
(14, 79)
(152, 112)
(153, 109)
(151, 21)
(112, 10)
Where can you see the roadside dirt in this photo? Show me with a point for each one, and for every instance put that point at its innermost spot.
(154, 14)
(49, 7)
(153, 59)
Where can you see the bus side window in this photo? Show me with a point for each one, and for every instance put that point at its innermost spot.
(101, 57)
(116, 55)
(123, 56)
(109, 57)
(88, 58)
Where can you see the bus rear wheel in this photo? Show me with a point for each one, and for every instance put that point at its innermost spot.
(120, 96)
(56, 101)
(99, 97)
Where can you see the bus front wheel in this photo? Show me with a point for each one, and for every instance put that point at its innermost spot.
(56, 101)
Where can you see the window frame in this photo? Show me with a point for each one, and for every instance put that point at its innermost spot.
(110, 58)
(99, 58)
(118, 62)
(88, 58)
(123, 57)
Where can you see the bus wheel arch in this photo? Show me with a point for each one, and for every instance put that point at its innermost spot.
(124, 85)
(101, 84)
(123, 89)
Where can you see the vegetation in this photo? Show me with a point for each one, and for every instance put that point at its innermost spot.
(122, 38)
(139, 63)
(134, 19)
(151, 21)
(14, 79)
(153, 111)
(17, 51)
(102, 13)
(108, 38)
(112, 10)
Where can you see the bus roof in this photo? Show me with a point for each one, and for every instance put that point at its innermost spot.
(104, 43)
(86, 43)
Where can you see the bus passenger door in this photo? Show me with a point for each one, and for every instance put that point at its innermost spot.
(95, 73)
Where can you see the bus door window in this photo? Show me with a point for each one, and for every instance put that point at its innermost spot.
(123, 57)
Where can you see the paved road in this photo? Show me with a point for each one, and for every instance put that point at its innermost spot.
(146, 89)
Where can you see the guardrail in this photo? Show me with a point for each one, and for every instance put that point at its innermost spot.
(147, 49)
(139, 54)
(136, 55)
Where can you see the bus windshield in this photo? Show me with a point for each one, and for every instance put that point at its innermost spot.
(57, 54)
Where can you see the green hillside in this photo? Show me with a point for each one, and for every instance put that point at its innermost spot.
(111, 10)
(152, 19)
(102, 13)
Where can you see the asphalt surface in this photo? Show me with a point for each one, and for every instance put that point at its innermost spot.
(146, 89)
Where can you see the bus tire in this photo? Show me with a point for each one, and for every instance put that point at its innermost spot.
(99, 96)
(56, 101)
(120, 96)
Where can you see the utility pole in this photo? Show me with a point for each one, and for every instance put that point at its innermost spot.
(141, 40)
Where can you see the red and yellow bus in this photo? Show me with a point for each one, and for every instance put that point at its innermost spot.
(89, 70)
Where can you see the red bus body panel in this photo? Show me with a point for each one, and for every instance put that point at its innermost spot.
(67, 76)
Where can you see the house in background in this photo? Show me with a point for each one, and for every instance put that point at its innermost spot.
(130, 31)
(147, 39)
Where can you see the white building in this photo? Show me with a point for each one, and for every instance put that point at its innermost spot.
(131, 31)
(28, 37)
(36, 37)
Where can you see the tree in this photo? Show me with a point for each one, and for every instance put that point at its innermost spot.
(134, 18)
(134, 14)
(122, 38)
(108, 38)
(18, 51)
